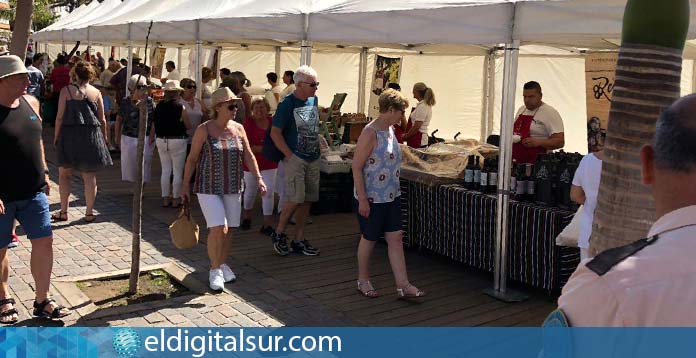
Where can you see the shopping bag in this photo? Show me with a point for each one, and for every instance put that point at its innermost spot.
(184, 230)
(569, 236)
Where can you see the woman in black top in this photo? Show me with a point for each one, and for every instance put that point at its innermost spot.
(170, 125)
(80, 137)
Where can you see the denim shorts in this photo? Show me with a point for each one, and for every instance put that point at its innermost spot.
(33, 214)
(384, 217)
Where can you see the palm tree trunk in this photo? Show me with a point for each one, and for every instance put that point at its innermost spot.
(648, 77)
(22, 26)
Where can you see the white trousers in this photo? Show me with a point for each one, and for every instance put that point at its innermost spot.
(129, 159)
(172, 154)
(221, 210)
(280, 184)
(251, 188)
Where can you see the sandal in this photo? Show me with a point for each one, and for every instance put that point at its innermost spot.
(166, 202)
(60, 216)
(403, 292)
(8, 312)
(58, 311)
(90, 218)
(176, 203)
(370, 292)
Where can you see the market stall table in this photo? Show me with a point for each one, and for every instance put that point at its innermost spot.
(460, 224)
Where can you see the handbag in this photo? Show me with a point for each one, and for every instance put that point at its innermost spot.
(269, 149)
(569, 236)
(184, 230)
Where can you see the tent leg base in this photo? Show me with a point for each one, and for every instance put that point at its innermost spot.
(508, 296)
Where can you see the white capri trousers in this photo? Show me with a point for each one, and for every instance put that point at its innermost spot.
(221, 210)
(172, 154)
(251, 188)
(129, 159)
(279, 184)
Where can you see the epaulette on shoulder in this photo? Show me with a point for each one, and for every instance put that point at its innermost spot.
(603, 262)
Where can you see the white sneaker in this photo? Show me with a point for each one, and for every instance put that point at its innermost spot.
(227, 273)
(217, 281)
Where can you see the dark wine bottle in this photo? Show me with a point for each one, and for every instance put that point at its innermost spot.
(529, 178)
(469, 173)
(477, 174)
(513, 180)
(483, 183)
(521, 188)
(493, 177)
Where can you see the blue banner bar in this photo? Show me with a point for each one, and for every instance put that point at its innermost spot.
(346, 342)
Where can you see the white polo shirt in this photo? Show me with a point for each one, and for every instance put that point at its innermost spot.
(547, 121)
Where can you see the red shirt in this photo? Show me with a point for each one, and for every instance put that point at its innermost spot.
(256, 136)
(60, 77)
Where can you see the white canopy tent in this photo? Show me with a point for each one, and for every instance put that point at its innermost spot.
(450, 28)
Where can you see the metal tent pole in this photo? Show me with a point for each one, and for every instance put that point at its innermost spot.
(198, 69)
(500, 290)
(306, 51)
(362, 80)
(277, 63)
(129, 68)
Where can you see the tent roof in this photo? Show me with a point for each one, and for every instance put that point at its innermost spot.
(590, 24)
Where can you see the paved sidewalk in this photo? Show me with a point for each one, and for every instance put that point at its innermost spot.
(104, 247)
(270, 290)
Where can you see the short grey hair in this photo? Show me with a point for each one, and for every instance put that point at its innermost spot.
(303, 73)
(673, 142)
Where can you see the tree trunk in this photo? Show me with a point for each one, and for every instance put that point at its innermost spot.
(138, 198)
(648, 77)
(22, 26)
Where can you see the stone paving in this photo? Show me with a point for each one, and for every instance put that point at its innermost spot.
(104, 247)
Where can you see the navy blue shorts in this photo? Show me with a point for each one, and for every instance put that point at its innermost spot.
(33, 214)
(384, 217)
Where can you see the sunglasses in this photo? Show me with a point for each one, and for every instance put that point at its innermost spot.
(311, 84)
(190, 87)
(232, 107)
(140, 87)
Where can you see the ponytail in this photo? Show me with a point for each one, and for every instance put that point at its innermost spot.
(427, 93)
(429, 97)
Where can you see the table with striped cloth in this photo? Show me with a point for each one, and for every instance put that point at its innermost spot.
(460, 224)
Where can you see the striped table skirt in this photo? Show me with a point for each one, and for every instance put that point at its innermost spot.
(460, 224)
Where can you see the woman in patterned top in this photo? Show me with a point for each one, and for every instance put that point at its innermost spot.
(376, 169)
(218, 149)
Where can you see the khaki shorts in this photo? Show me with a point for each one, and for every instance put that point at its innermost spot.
(301, 180)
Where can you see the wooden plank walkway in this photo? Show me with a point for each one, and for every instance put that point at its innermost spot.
(454, 298)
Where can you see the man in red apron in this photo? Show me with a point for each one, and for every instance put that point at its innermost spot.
(538, 127)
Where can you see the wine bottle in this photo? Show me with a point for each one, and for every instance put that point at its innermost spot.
(477, 174)
(493, 177)
(513, 179)
(469, 173)
(529, 177)
(483, 184)
(521, 187)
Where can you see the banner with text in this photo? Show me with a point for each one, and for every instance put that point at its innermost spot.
(599, 83)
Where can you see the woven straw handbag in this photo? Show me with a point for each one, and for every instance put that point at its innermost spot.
(184, 230)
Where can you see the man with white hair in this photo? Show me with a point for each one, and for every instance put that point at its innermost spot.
(295, 132)
(23, 193)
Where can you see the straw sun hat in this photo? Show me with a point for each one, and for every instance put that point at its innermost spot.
(222, 95)
(11, 65)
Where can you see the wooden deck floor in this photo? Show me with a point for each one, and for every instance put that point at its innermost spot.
(455, 296)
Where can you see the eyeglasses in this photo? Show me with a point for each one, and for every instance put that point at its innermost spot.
(191, 87)
(311, 84)
(140, 87)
